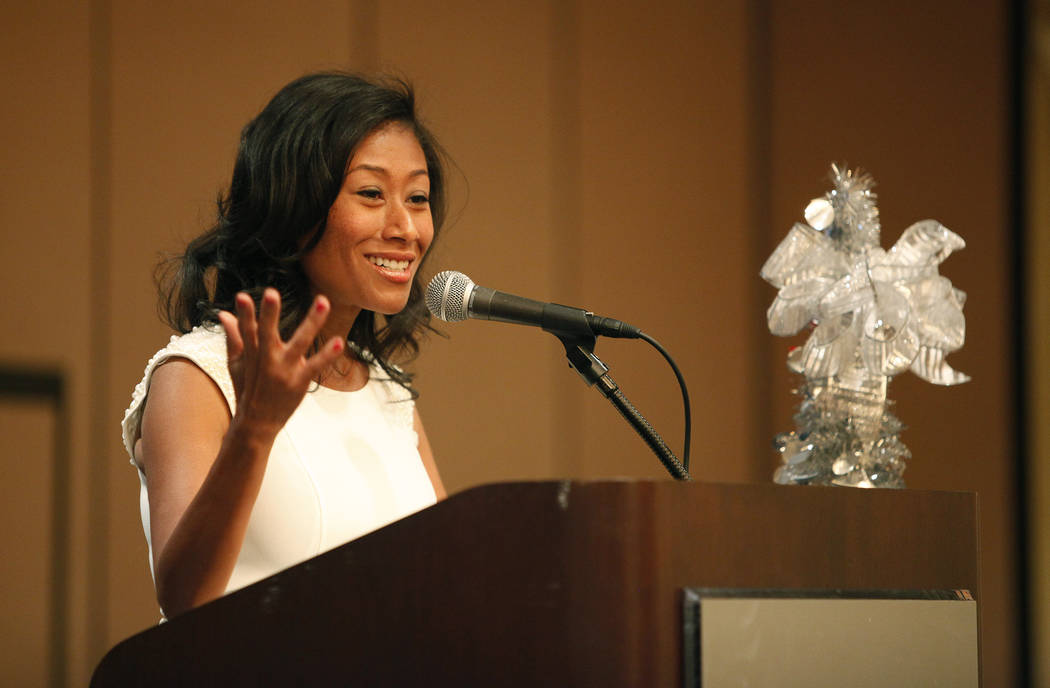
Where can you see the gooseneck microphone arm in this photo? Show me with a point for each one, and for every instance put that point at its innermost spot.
(580, 352)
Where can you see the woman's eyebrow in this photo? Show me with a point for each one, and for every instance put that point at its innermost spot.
(382, 170)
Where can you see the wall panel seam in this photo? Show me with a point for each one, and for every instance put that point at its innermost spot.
(566, 221)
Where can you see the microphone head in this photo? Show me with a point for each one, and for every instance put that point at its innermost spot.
(448, 296)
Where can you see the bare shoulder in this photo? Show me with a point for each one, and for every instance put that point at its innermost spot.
(184, 410)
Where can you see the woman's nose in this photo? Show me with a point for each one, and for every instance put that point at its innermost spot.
(399, 223)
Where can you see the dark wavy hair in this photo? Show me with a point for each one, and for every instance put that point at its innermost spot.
(290, 167)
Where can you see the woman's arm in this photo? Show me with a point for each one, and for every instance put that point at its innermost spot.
(202, 481)
(203, 468)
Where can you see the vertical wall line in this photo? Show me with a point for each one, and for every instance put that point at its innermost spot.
(759, 97)
(100, 227)
(565, 232)
(1036, 376)
(1016, 42)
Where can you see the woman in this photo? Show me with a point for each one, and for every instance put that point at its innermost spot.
(275, 427)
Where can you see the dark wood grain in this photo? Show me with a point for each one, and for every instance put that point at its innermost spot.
(550, 583)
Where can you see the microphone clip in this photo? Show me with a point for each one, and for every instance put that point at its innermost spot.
(579, 349)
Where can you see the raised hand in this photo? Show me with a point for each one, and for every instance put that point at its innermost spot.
(271, 376)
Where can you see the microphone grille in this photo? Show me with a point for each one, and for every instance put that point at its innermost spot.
(448, 294)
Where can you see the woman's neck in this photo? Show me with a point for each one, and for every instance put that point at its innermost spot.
(347, 373)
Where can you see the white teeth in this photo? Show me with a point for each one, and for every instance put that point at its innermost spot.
(389, 264)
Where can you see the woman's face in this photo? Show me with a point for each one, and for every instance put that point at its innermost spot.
(378, 230)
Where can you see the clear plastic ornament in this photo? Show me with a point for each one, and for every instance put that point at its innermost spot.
(874, 314)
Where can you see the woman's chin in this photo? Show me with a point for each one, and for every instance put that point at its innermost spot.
(390, 308)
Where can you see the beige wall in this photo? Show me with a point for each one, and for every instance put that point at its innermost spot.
(637, 159)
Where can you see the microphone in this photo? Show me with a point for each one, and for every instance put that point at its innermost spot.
(452, 296)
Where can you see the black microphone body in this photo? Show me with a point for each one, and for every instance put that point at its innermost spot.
(489, 304)
(452, 296)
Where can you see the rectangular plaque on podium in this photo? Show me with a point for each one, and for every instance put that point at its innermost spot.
(860, 638)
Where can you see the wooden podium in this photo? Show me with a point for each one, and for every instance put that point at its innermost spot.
(549, 583)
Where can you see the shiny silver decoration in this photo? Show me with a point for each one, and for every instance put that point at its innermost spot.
(873, 314)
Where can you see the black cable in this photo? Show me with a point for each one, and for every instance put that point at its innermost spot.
(685, 395)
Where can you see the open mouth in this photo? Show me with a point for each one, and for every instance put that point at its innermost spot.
(390, 264)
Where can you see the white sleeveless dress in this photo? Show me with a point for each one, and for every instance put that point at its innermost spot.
(345, 464)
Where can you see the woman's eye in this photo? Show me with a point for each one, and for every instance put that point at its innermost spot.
(373, 194)
(419, 199)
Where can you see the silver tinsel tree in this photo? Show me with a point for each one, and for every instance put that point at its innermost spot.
(873, 314)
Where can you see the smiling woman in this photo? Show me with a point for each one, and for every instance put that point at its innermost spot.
(378, 229)
(276, 425)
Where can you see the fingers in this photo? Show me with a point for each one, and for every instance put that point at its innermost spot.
(325, 356)
(309, 328)
(234, 343)
(269, 314)
(253, 339)
(246, 324)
